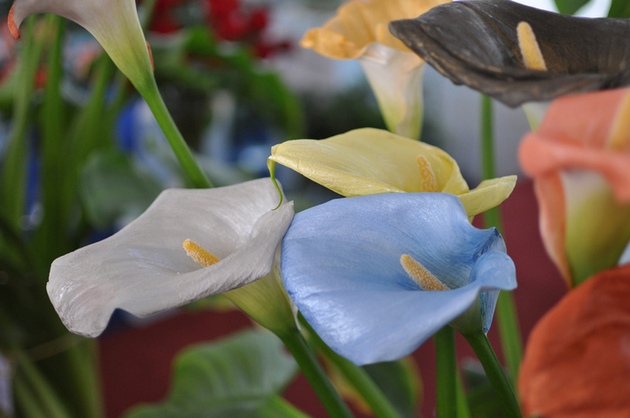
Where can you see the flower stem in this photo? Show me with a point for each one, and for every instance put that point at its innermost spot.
(509, 327)
(360, 380)
(501, 384)
(295, 343)
(40, 388)
(446, 373)
(153, 98)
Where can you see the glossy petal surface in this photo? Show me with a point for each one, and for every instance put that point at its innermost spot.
(114, 24)
(579, 160)
(482, 50)
(577, 361)
(143, 269)
(371, 161)
(341, 266)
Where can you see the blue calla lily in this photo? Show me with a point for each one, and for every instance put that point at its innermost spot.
(341, 264)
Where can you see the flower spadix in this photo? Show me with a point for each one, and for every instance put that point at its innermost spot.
(519, 54)
(114, 24)
(143, 269)
(371, 161)
(580, 159)
(375, 276)
(359, 31)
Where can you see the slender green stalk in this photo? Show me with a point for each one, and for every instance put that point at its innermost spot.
(463, 409)
(14, 167)
(295, 343)
(446, 373)
(362, 382)
(277, 407)
(359, 379)
(49, 237)
(501, 384)
(153, 98)
(40, 388)
(509, 327)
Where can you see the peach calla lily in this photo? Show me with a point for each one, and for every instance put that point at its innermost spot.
(371, 161)
(360, 31)
(576, 361)
(579, 159)
(114, 24)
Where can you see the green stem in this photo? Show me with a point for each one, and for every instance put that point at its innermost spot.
(295, 343)
(361, 381)
(507, 318)
(153, 98)
(463, 409)
(14, 173)
(446, 373)
(40, 388)
(277, 407)
(501, 384)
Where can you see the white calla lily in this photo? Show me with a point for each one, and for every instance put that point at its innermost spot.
(114, 24)
(143, 269)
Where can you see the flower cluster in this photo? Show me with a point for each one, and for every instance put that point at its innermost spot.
(395, 259)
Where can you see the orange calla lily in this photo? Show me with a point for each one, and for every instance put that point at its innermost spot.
(577, 360)
(580, 161)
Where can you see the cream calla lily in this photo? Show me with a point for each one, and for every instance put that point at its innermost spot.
(360, 31)
(143, 269)
(114, 24)
(371, 161)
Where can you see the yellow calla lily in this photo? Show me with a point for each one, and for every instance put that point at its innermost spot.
(360, 31)
(371, 161)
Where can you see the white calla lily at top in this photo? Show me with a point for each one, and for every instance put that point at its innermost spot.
(143, 269)
(114, 24)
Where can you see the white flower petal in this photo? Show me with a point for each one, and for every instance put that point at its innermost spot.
(396, 79)
(143, 269)
(114, 24)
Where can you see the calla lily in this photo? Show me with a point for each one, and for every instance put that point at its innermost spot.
(114, 24)
(371, 161)
(359, 31)
(517, 53)
(375, 276)
(143, 269)
(576, 360)
(579, 159)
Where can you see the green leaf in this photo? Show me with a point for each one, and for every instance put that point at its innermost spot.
(569, 7)
(112, 188)
(240, 376)
(619, 9)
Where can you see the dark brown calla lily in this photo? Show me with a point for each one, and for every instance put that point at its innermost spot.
(476, 43)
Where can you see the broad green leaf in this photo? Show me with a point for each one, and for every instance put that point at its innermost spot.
(241, 376)
(569, 7)
(619, 9)
(112, 188)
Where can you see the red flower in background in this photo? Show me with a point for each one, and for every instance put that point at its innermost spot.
(164, 19)
(229, 21)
